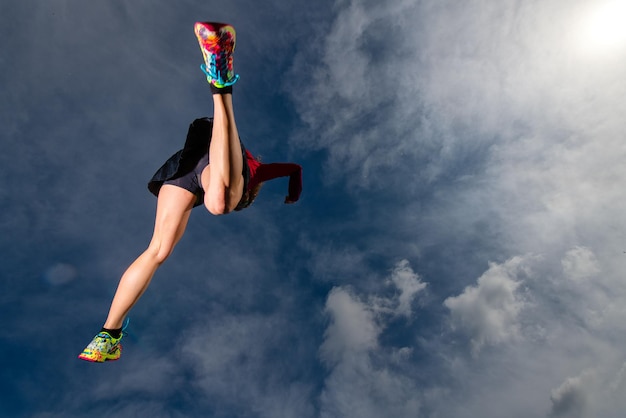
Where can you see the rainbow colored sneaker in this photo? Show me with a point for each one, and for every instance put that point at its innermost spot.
(217, 43)
(104, 347)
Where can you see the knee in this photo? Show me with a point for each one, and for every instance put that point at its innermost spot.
(159, 252)
(216, 205)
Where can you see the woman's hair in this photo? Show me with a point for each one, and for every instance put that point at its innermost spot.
(249, 196)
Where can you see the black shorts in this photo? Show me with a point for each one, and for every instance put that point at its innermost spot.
(192, 180)
(184, 168)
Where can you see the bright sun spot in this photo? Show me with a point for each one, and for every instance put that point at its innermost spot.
(604, 26)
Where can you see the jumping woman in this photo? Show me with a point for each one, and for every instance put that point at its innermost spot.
(213, 169)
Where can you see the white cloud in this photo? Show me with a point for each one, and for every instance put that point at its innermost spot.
(580, 263)
(492, 95)
(353, 330)
(488, 312)
(409, 285)
(356, 323)
(363, 381)
(541, 326)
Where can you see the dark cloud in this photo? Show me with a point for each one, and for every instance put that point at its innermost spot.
(569, 400)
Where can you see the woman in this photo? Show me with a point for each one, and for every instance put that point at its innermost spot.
(213, 168)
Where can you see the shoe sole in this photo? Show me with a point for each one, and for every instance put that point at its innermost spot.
(104, 358)
(209, 35)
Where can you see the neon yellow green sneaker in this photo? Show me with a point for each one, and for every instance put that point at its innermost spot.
(102, 348)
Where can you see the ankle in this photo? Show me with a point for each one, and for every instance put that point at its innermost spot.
(115, 333)
(221, 91)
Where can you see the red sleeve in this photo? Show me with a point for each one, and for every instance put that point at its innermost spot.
(271, 171)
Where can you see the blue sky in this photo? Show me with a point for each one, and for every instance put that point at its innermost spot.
(458, 250)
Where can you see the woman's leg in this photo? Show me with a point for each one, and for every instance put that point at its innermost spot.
(174, 205)
(222, 179)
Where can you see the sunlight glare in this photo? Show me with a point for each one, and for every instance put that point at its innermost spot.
(605, 27)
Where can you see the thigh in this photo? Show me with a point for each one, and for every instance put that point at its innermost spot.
(236, 194)
(216, 195)
(191, 180)
(174, 205)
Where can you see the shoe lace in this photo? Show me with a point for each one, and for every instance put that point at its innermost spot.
(219, 65)
(124, 326)
(218, 73)
(103, 336)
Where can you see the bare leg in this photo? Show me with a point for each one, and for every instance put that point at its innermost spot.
(222, 179)
(174, 205)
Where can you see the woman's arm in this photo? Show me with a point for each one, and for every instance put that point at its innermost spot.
(271, 171)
